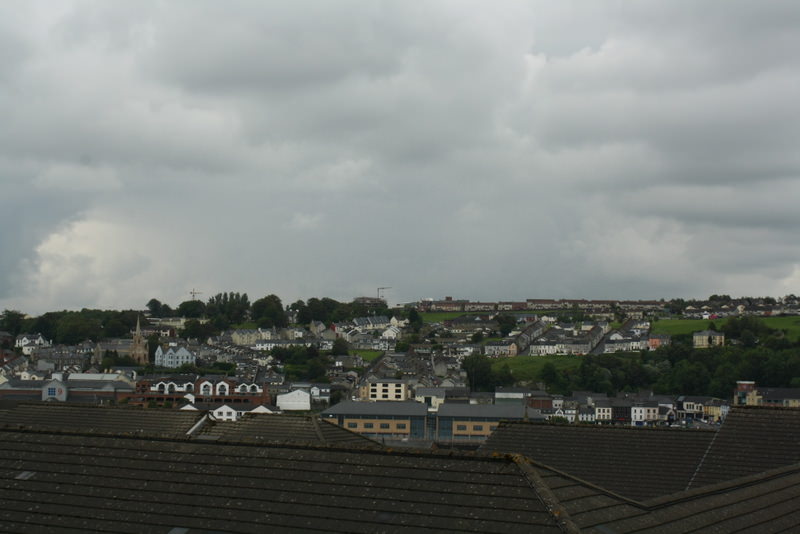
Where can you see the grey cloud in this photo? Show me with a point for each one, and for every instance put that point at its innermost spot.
(438, 148)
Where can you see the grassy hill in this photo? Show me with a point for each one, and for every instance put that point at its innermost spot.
(526, 368)
(675, 327)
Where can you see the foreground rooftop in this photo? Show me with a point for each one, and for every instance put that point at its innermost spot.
(61, 472)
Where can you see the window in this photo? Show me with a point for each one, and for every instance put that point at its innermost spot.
(367, 425)
(352, 425)
(51, 392)
(461, 427)
(398, 396)
(385, 396)
(384, 425)
(401, 426)
(477, 428)
(493, 428)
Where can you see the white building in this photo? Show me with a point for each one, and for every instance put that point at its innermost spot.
(174, 357)
(29, 342)
(297, 400)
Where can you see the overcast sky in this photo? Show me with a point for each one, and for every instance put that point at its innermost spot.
(482, 150)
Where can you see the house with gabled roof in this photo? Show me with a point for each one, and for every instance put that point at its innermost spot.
(29, 342)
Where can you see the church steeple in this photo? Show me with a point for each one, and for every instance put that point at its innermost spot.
(139, 350)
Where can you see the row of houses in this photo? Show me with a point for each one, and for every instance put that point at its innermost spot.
(208, 392)
(568, 339)
(448, 304)
(748, 393)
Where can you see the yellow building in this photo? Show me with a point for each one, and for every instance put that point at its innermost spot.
(396, 420)
(708, 338)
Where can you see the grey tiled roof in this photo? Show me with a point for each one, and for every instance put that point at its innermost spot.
(751, 440)
(89, 483)
(638, 463)
(270, 428)
(61, 477)
(99, 419)
(766, 502)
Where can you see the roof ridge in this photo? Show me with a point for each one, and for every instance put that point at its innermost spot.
(317, 430)
(545, 494)
(703, 458)
(720, 487)
(586, 483)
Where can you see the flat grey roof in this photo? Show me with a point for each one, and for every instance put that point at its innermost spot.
(408, 408)
(500, 411)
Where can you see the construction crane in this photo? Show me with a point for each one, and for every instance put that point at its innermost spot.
(381, 289)
(194, 293)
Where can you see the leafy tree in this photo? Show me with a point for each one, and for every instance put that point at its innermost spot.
(114, 327)
(748, 338)
(340, 347)
(228, 308)
(193, 309)
(556, 381)
(676, 306)
(268, 312)
(503, 376)
(303, 314)
(506, 323)
(414, 320)
(152, 346)
(690, 378)
(477, 337)
(479, 372)
(75, 327)
(195, 329)
(155, 307)
(11, 321)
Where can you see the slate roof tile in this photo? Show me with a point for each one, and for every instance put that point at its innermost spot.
(639, 463)
(144, 485)
(99, 419)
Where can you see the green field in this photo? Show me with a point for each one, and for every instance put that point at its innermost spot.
(367, 355)
(791, 324)
(687, 326)
(526, 368)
